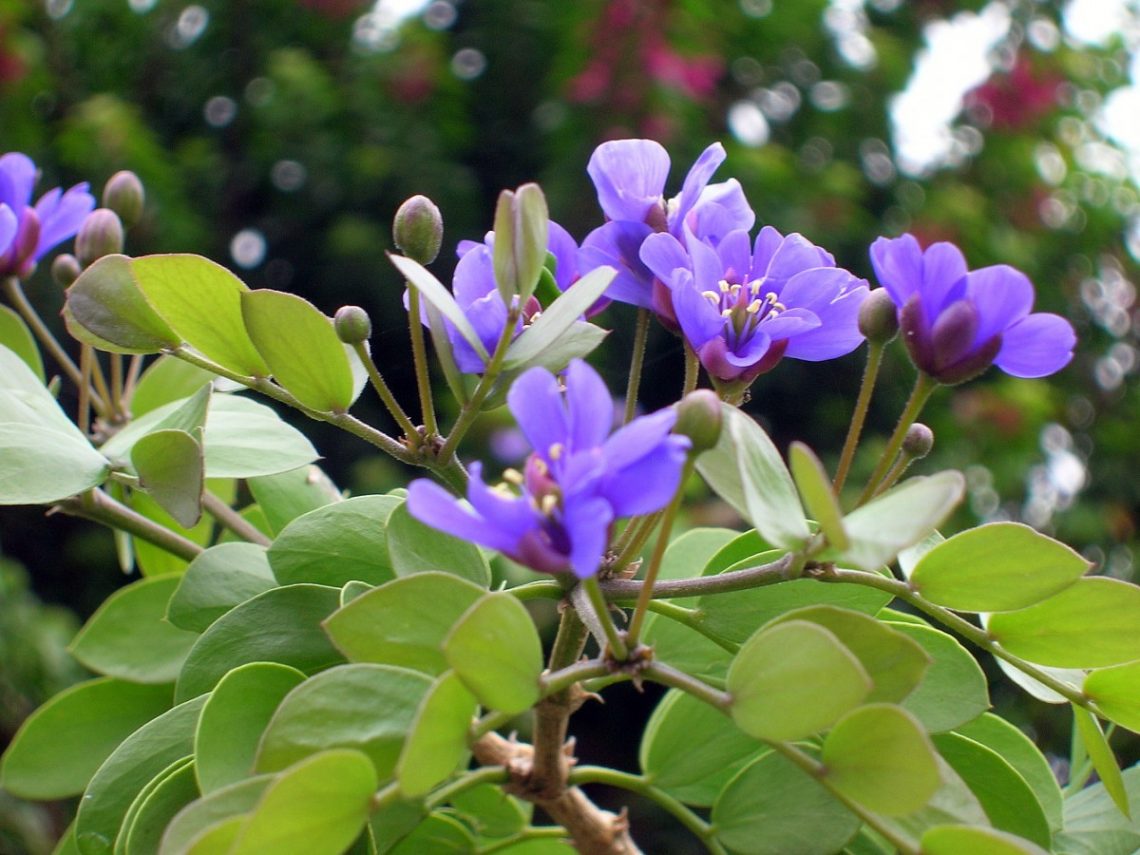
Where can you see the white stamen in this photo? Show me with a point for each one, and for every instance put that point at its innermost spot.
(555, 451)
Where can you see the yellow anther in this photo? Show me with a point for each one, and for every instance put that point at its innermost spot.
(770, 297)
(727, 313)
(753, 307)
(540, 466)
(513, 476)
(549, 503)
(712, 296)
(777, 306)
(734, 290)
(724, 286)
(503, 489)
(755, 288)
(555, 451)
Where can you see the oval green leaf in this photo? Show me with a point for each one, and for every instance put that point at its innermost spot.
(793, 680)
(953, 690)
(414, 547)
(165, 799)
(995, 568)
(40, 465)
(317, 807)
(287, 495)
(128, 636)
(107, 309)
(366, 707)
(15, 335)
(301, 348)
(172, 469)
(282, 625)
(436, 294)
(1116, 692)
(234, 718)
(691, 750)
(899, 518)
(1100, 753)
(815, 489)
(558, 318)
(220, 578)
(957, 839)
(773, 808)
(878, 756)
(497, 653)
(213, 808)
(403, 622)
(60, 746)
(437, 741)
(1090, 624)
(337, 543)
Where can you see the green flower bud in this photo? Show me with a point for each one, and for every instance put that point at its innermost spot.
(417, 229)
(879, 317)
(699, 417)
(65, 269)
(123, 193)
(918, 441)
(101, 234)
(353, 326)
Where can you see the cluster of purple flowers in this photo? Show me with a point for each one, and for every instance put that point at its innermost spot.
(555, 516)
(28, 232)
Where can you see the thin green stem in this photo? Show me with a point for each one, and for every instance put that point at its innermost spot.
(667, 675)
(230, 519)
(637, 784)
(385, 393)
(419, 359)
(86, 357)
(491, 721)
(531, 832)
(783, 569)
(859, 416)
(815, 769)
(689, 617)
(643, 598)
(692, 370)
(559, 681)
(633, 539)
(97, 506)
(470, 410)
(483, 775)
(117, 384)
(618, 648)
(134, 369)
(540, 590)
(15, 294)
(963, 627)
(924, 386)
(636, 362)
(902, 463)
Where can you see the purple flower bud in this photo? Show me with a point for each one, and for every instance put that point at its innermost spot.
(65, 269)
(417, 229)
(878, 317)
(101, 234)
(123, 193)
(699, 417)
(918, 442)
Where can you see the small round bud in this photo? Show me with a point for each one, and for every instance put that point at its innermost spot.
(353, 325)
(65, 269)
(417, 229)
(699, 417)
(879, 317)
(918, 441)
(123, 193)
(101, 234)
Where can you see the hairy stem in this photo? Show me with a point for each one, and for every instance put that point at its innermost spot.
(669, 676)
(782, 569)
(924, 386)
(636, 361)
(385, 393)
(230, 519)
(97, 506)
(419, 359)
(859, 416)
(692, 370)
(617, 645)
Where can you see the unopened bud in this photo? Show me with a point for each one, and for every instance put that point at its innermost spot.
(65, 269)
(101, 234)
(353, 326)
(522, 225)
(123, 193)
(918, 441)
(878, 317)
(699, 417)
(417, 229)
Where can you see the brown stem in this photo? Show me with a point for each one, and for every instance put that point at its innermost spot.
(780, 570)
(552, 714)
(228, 518)
(97, 506)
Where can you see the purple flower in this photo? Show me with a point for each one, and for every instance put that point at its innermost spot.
(629, 176)
(473, 285)
(26, 232)
(744, 307)
(956, 323)
(556, 515)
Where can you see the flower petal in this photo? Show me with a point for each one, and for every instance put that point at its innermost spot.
(536, 403)
(618, 245)
(1002, 296)
(662, 253)
(795, 254)
(589, 407)
(732, 210)
(587, 524)
(838, 333)
(629, 176)
(700, 320)
(648, 484)
(735, 251)
(898, 265)
(17, 177)
(640, 437)
(474, 276)
(943, 267)
(8, 226)
(565, 251)
(1036, 346)
(434, 506)
(700, 173)
(511, 516)
(61, 218)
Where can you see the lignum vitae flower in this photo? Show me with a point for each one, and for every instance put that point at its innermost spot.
(557, 514)
(630, 176)
(474, 287)
(744, 306)
(28, 232)
(956, 322)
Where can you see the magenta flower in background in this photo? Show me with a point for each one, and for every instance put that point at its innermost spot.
(556, 516)
(629, 176)
(956, 322)
(743, 307)
(27, 233)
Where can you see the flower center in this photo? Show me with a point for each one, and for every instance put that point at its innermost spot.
(743, 307)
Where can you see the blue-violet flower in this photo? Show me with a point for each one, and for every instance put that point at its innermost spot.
(956, 322)
(629, 176)
(27, 233)
(743, 307)
(556, 516)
